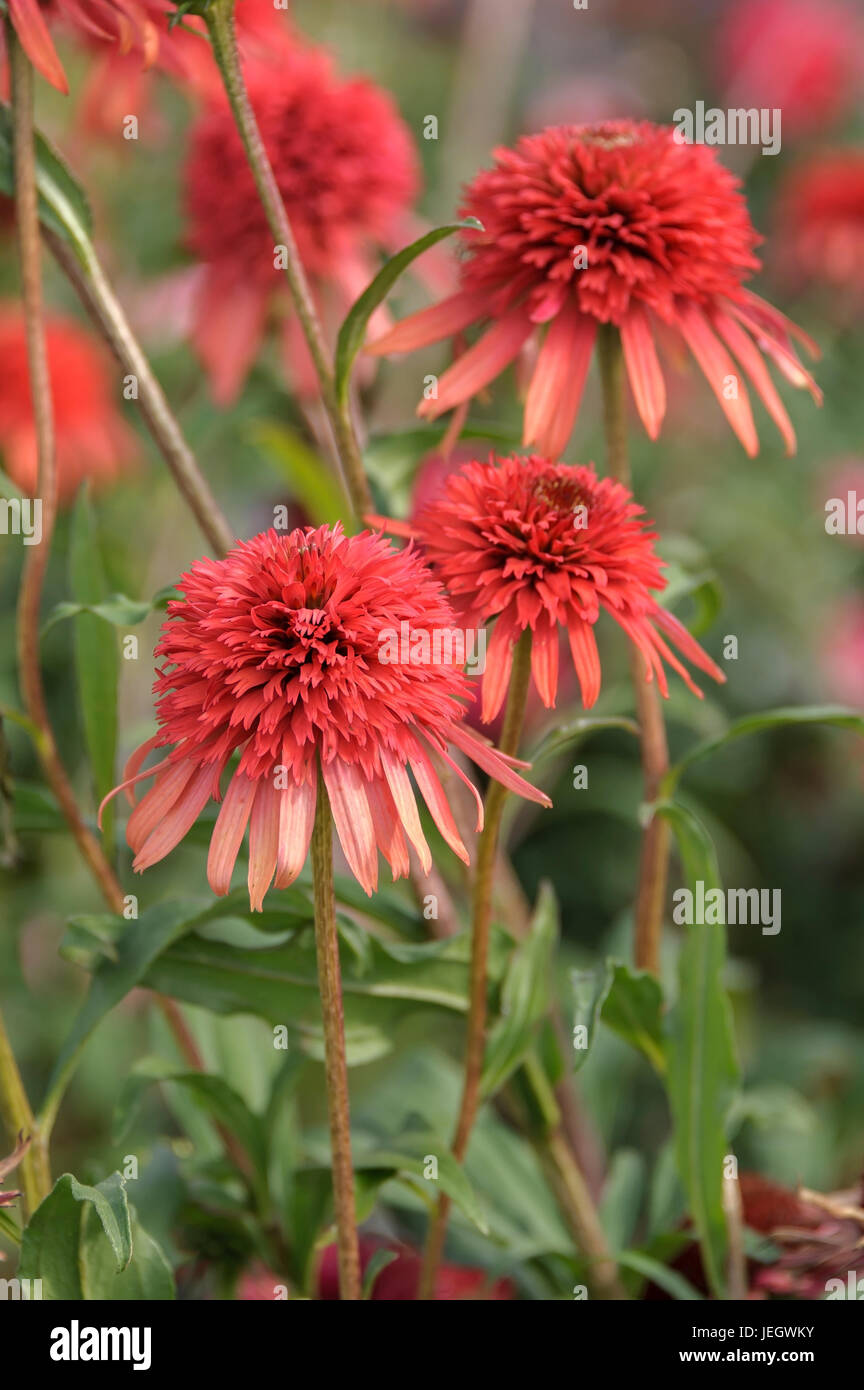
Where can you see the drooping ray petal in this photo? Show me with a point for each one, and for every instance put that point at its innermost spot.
(229, 323)
(442, 320)
(558, 381)
(491, 761)
(130, 782)
(346, 788)
(718, 368)
(296, 817)
(263, 841)
(433, 794)
(182, 816)
(643, 369)
(228, 832)
(403, 798)
(37, 43)
(586, 658)
(157, 802)
(741, 344)
(499, 664)
(135, 759)
(544, 659)
(480, 364)
(778, 348)
(454, 766)
(777, 323)
(388, 827)
(686, 643)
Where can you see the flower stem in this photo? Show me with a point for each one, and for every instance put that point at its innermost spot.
(220, 22)
(484, 875)
(335, 1065)
(18, 1119)
(96, 294)
(654, 857)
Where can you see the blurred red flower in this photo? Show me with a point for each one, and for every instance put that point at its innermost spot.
(129, 24)
(347, 170)
(821, 223)
(399, 1280)
(615, 223)
(92, 438)
(533, 544)
(804, 56)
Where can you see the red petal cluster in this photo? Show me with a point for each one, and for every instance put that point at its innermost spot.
(535, 544)
(822, 222)
(129, 24)
(279, 653)
(93, 440)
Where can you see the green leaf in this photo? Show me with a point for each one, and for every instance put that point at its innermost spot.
(353, 329)
(96, 658)
(117, 609)
(703, 1072)
(567, 735)
(63, 206)
(633, 1008)
(407, 1158)
(524, 995)
(84, 1243)
(89, 939)
(623, 1192)
(137, 947)
(379, 1261)
(668, 1279)
(311, 481)
(589, 990)
(833, 715)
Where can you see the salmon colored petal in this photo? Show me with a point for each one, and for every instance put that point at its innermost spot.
(777, 346)
(491, 761)
(686, 643)
(544, 660)
(431, 325)
(777, 322)
(135, 759)
(499, 664)
(228, 832)
(130, 782)
(263, 841)
(556, 387)
(169, 785)
(454, 766)
(480, 364)
(717, 365)
(643, 370)
(296, 818)
(37, 43)
(586, 659)
(179, 819)
(433, 794)
(353, 820)
(741, 344)
(388, 828)
(403, 798)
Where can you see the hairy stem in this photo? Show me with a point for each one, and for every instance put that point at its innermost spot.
(96, 294)
(335, 1065)
(220, 22)
(484, 876)
(654, 857)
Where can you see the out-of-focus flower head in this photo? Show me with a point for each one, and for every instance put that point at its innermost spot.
(842, 652)
(528, 543)
(615, 223)
(804, 56)
(128, 25)
(92, 438)
(399, 1280)
(347, 170)
(821, 224)
(283, 653)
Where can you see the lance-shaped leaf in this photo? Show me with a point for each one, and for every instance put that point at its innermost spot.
(525, 995)
(63, 206)
(633, 1008)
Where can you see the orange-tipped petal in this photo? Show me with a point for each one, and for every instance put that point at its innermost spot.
(37, 43)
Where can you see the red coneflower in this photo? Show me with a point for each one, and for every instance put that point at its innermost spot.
(614, 223)
(821, 212)
(346, 168)
(534, 544)
(92, 438)
(130, 24)
(276, 654)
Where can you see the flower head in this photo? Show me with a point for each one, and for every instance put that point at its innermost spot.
(615, 223)
(92, 438)
(128, 24)
(280, 653)
(822, 223)
(533, 544)
(345, 165)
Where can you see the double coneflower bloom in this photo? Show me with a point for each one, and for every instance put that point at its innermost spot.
(527, 543)
(279, 654)
(620, 224)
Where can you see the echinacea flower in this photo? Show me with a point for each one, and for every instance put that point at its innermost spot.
(92, 438)
(279, 653)
(129, 24)
(346, 167)
(528, 543)
(615, 223)
(821, 216)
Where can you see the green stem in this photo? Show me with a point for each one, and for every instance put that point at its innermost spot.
(335, 1065)
(654, 857)
(220, 22)
(18, 1119)
(484, 876)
